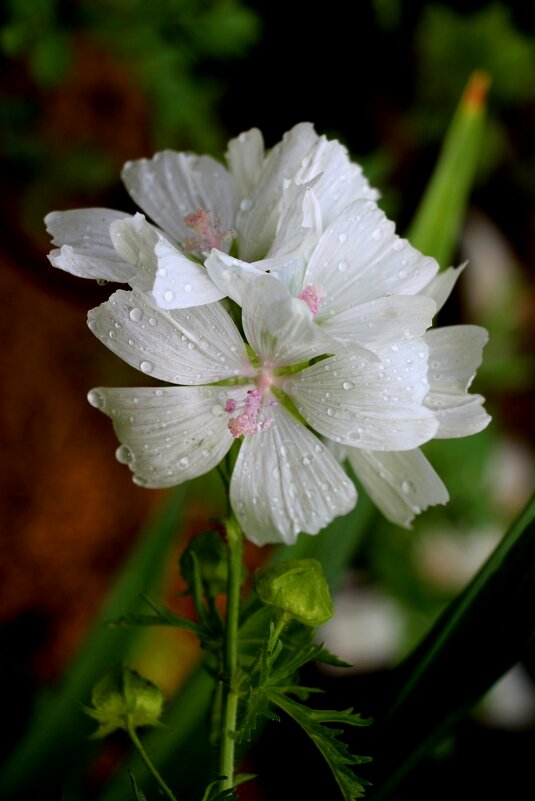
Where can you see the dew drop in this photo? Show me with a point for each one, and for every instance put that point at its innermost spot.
(407, 486)
(246, 204)
(136, 315)
(330, 412)
(348, 385)
(184, 462)
(191, 345)
(124, 455)
(402, 274)
(146, 367)
(342, 266)
(96, 399)
(112, 334)
(152, 321)
(377, 234)
(342, 237)
(169, 295)
(162, 272)
(306, 461)
(187, 288)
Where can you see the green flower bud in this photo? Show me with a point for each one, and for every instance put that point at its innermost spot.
(297, 587)
(124, 700)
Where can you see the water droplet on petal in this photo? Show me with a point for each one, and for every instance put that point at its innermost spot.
(96, 399)
(407, 486)
(377, 234)
(187, 288)
(152, 321)
(348, 385)
(136, 315)
(342, 266)
(342, 237)
(146, 367)
(184, 462)
(330, 412)
(124, 455)
(169, 295)
(246, 204)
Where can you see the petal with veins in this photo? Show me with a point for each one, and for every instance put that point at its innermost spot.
(359, 258)
(231, 276)
(455, 353)
(286, 481)
(185, 346)
(171, 186)
(359, 400)
(440, 288)
(168, 435)
(400, 484)
(245, 157)
(86, 249)
(383, 321)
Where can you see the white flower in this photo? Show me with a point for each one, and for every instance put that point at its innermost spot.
(284, 480)
(197, 204)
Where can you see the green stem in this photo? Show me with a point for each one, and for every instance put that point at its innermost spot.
(230, 689)
(149, 765)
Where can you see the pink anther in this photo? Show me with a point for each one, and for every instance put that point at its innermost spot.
(207, 232)
(313, 294)
(251, 420)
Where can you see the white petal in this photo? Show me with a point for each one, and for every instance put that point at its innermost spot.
(383, 321)
(280, 329)
(455, 353)
(233, 277)
(285, 481)
(258, 217)
(401, 484)
(361, 401)
(339, 181)
(86, 249)
(170, 434)
(440, 288)
(174, 281)
(298, 229)
(245, 157)
(172, 185)
(359, 258)
(185, 346)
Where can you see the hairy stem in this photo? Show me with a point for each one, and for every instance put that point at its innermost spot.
(149, 765)
(230, 689)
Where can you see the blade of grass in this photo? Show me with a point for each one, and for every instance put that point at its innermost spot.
(59, 726)
(480, 636)
(435, 227)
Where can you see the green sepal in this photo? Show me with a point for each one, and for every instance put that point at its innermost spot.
(334, 751)
(123, 699)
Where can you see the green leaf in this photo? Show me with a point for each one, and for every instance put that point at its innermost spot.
(435, 227)
(161, 617)
(482, 634)
(138, 793)
(333, 750)
(58, 729)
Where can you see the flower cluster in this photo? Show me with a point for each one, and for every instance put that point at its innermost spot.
(288, 320)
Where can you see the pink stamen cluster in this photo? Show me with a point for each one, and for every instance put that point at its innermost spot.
(207, 231)
(251, 420)
(313, 294)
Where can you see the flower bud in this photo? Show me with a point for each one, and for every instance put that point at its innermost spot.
(123, 699)
(297, 587)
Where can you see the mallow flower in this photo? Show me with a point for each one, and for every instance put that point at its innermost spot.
(277, 394)
(196, 204)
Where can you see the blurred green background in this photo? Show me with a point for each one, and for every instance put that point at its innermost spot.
(87, 85)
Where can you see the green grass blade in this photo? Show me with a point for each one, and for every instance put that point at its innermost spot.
(59, 727)
(482, 634)
(435, 227)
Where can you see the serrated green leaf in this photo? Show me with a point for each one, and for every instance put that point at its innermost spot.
(327, 658)
(161, 617)
(333, 750)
